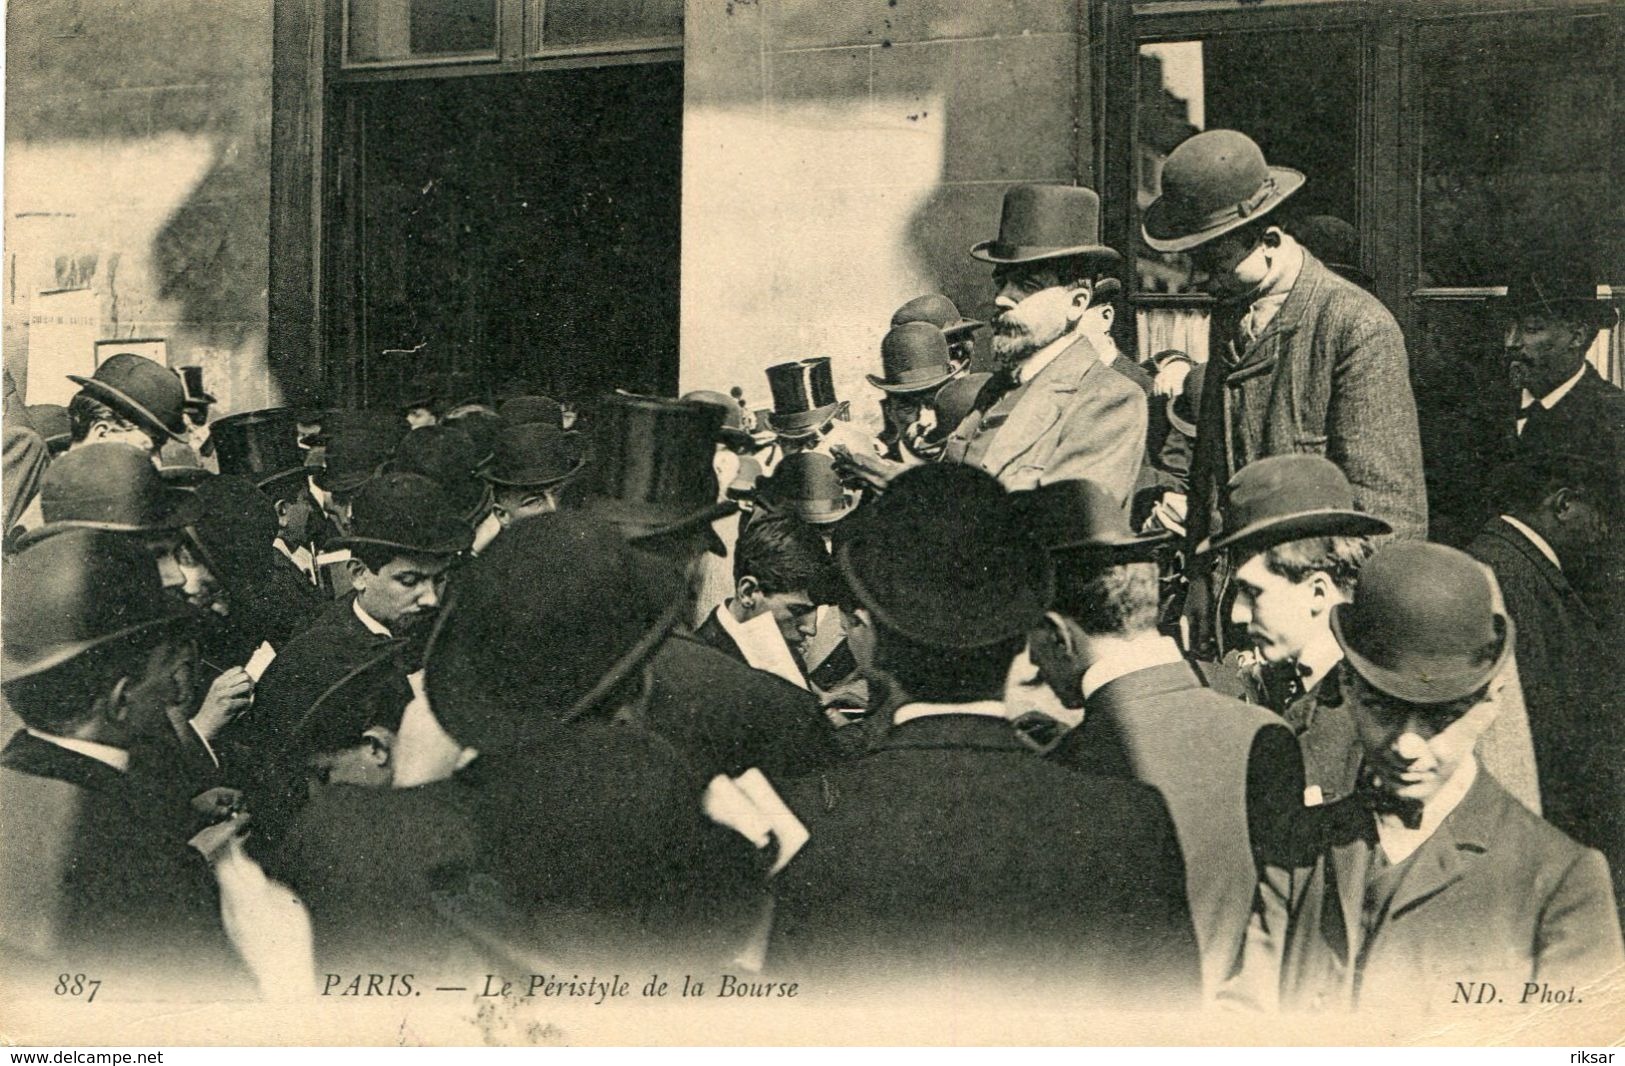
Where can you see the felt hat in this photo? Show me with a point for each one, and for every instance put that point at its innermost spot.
(651, 472)
(1213, 183)
(482, 426)
(1423, 628)
(445, 454)
(942, 558)
(192, 384)
(536, 454)
(803, 396)
(109, 487)
(262, 446)
(914, 358)
(1079, 516)
(957, 399)
(235, 526)
(1334, 242)
(1041, 222)
(519, 410)
(409, 513)
(50, 421)
(805, 484)
(145, 392)
(733, 431)
(607, 607)
(357, 444)
(1288, 497)
(1566, 288)
(938, 310)
(78, 590)
(1185, 410)
(180, 466)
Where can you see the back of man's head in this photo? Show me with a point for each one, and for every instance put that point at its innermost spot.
(1120, 600)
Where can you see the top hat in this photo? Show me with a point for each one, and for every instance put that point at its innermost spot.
(358, 443)
(733, 431)
(192, 385)
(537, 454)
(262, 446)
(803, 396)
(110, 487)
(938, 310)
(942, 558)
(1424, 628)
(1288, 497)
(1334, 242)
(1213, 183)
(806, 485)
(409, 513)
(180, 466)
(520, 410)
(651, 472)
(145, 392)
(1185, 409)
(914, 357)
(1566, 288)
(486, 684)
(1078, 516)
(1046, 222)
(78, 590)
(445, 454)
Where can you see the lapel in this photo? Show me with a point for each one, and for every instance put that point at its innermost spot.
(1041, 405)
(1450, 852)
(1352, 832)
(974, 732)
(1554, 577)
(1261, 356)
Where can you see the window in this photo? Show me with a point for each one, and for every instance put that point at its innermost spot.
(397, 30)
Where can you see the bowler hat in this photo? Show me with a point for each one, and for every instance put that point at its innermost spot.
(482, 426)
(957, 399)
(192, 384)
(1213, 183)
(943, 559)
(262, 446)
(445, 454)
(938, 310)
(1185, 410)
(803, 396)
(520, 410)
(651, 472)
(145, 392)
(733, 431)
(1288, 497)
(75, 591)
(358, 443)
(1423, 628)
(180, 466)
(607, 607)
(110, 487)
(1566, 288)
(1046, 222)
(409, 513)
(914, 357)
(50, 421)
(235, 527)
(535, 454)
(806, 485)
(1079, 516)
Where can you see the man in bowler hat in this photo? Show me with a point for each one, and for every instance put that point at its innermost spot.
(129, 400)
(1431, 874)
(916, 362)
(529, 466)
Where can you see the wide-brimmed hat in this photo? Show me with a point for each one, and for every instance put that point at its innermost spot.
(1081, 517)
(806, 485)
(408, 513)
(803, 396)
(914, 357)
(651, 472)
(1288, 497)
(192, 384)
(141, 390)
(487, 685)
(50, 421)
(109, 487)
(942, 558)
(262, 446)
(78, 590)
(482, 426)
(358, 444)
(1046, 222)
(536, 454)
(938, 310)
(520, 410)
(1213, 183)
(1566, 288)
(1423, 628)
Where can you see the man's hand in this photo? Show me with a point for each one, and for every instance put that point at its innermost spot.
(1169, 514)
(230, 695)
(871, 470)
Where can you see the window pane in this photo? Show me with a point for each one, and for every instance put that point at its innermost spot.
(573, 23)
(410, 29)
(1295, 92)
(1519, 121)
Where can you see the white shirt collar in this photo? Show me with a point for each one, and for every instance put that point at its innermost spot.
(1399, 842)
(763, 646)
(1534, 538)
(1553, 398)
(117, 758)
(1275, 288)
(372, 624)
(1035, 363)
(984, 708)
(1132, 656)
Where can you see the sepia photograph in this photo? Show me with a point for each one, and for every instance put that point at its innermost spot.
(763, 523)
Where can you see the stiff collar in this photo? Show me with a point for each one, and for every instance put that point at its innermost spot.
(983, 708)
(1534, 538)
(1400, 842)
(373, 625)
(106, 754)
(762, 645)
(1553, 398)
(1142, 653)
(1277, 285)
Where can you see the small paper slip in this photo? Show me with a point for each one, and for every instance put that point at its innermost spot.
(257, 663)
(751, 807)
(329, 558)
(781, 819)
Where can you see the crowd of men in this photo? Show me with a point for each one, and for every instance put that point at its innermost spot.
(1140, 685)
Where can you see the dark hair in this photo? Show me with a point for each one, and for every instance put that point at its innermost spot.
(59, 700)
(1118, 600)
(1339, 558)
(1526, 483)
(781, 552)
(946, 675)
(374, 556)
(84, 411)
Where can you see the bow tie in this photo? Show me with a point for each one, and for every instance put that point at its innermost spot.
(1378, 800)
(1284, 683)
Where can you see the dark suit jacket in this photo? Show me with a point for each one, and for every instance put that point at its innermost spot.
(713, 635)
(951, 851)
(1591, 418)
(1494, 895)
(1230, 772)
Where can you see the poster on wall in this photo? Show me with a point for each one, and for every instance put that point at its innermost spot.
(62, 329)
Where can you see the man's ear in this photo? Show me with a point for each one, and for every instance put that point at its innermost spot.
(358, 573)
(1323, 593)
(378, 744)
(745, 591)
(1561, 503)
(1273, 237)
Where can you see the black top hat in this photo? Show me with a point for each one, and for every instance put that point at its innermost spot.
(50, 421)
(148, 394)
(521, 410)
(192, 384)
(109, 487)
(537, 454)
(262, 446)
(938, 310)
(1424, 628)
(1567, 289)
(1213, 183)
(445, 454)
(803, 396)
(1079, 516)
(1288, 497)
(607, 608)
(943, 559)
(915, 359)
(78, 590)
(358, 443)
(408, 513)
(1046, 222)
(806, 485)
(651, 472)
